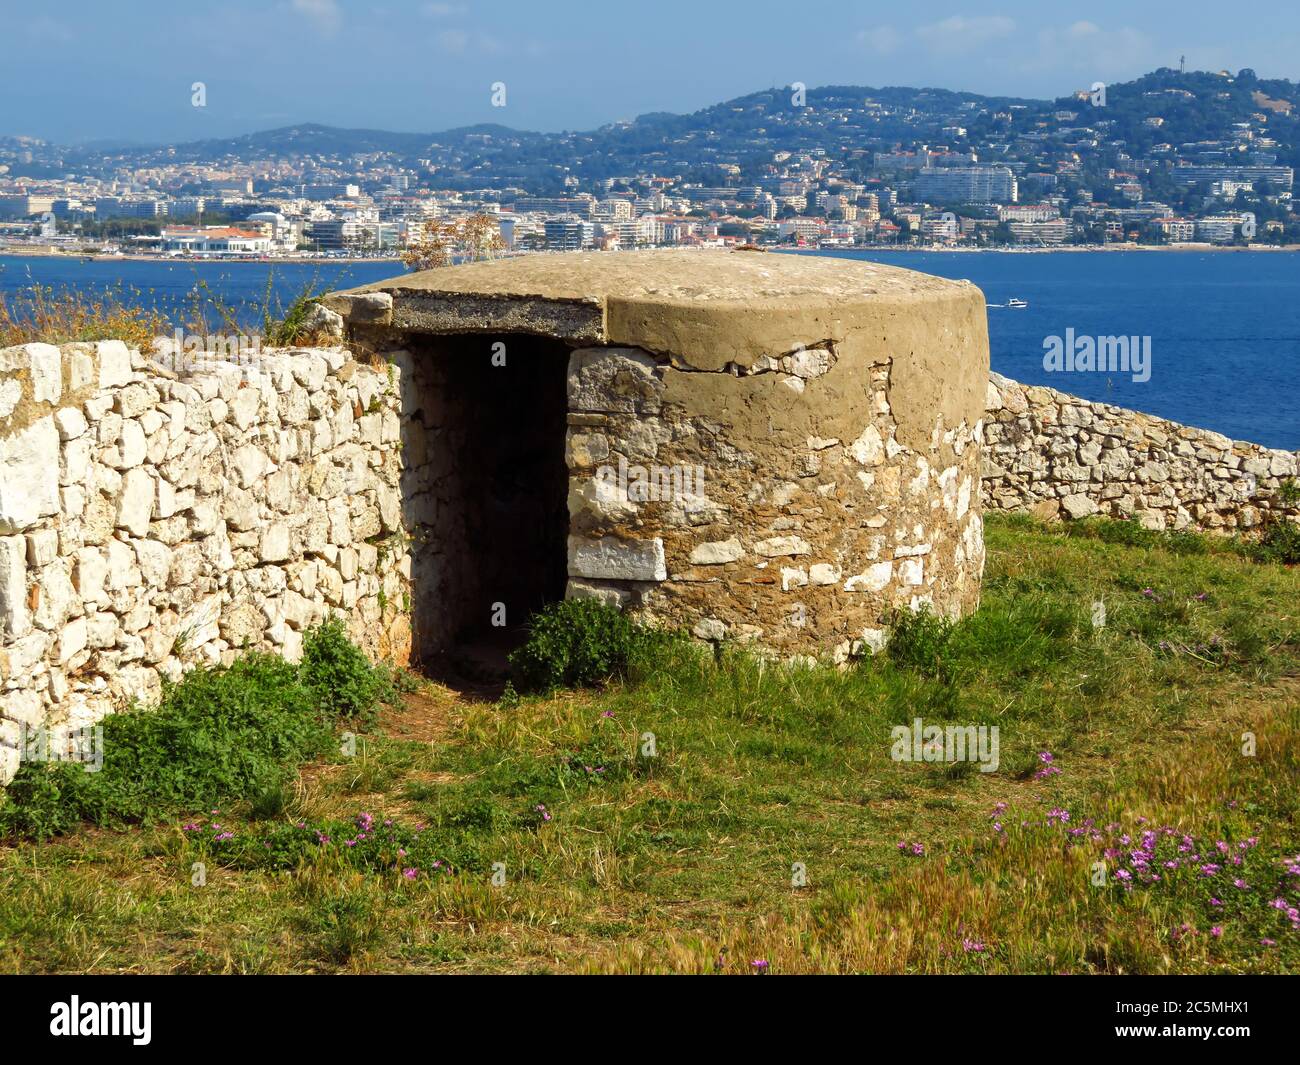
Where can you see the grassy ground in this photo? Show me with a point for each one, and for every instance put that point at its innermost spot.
(744, 817)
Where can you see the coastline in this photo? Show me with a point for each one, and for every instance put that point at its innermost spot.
(22, 252)
(27, 252)
(1012, 250)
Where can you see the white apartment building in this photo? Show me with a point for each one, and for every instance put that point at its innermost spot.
(569, 233)
(1055, 231)
(1178, 230)
(966, 184)
(1028, 212)
(806, 228)
(615, 210)
(1217, 229)
(644, 232)
(940, 228)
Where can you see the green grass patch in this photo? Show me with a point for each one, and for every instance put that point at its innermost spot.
(221, 733)
(580, 643)
(656, 821)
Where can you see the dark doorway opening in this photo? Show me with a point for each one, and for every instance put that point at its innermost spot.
(486, 490)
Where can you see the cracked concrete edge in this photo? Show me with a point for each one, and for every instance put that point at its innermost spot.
(716, 312)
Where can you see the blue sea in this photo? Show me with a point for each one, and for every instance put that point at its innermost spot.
(173, 287)
(1224, 327)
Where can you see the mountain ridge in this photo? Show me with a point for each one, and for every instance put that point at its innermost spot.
(1164, 107)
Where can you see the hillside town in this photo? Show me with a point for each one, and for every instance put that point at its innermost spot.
(816, 168)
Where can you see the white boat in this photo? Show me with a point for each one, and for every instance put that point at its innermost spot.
(1016, 303)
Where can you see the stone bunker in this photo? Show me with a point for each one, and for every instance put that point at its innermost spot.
(777, 449)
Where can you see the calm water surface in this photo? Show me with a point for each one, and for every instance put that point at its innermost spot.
(1224, 327)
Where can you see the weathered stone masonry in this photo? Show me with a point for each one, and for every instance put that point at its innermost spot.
(830, 413)
(1059, 456)
(149, 522)
(794, 542)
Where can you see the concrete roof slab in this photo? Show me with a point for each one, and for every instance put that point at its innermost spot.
(714, 310)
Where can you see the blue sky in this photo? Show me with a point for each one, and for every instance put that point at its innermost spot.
(87, 69)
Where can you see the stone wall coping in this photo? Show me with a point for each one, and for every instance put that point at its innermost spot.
(1018, 398)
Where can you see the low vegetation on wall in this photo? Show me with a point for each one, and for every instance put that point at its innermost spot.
(46, 315)
(237, 731)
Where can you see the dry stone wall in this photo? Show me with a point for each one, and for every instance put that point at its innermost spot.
(1059, 456)
(152, 520)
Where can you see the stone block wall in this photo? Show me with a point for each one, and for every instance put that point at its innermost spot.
(709, 501)
(1059, 456)
(153, 520)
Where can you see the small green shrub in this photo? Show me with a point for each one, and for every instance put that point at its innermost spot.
(338, 675)
(1129, 532)
(918, 641)
(1182, 542)
(221, 734)
(291, 328)
(479, 813)
(364, 843)
(576, 643)
(347, 922)
(1280, 543)
(269, 803)
(603, 759)
(1016, 635)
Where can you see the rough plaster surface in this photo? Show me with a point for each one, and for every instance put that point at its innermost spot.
(832, 410)
(713, 311)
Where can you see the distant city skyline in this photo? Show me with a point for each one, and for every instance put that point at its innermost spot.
(88, 71)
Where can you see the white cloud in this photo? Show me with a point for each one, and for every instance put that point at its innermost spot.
(1091, 51)
(961, 34)
(323, 14)
(453, 42)
(881, 39)
(463, 42)
(44, 28)
(1081, 49)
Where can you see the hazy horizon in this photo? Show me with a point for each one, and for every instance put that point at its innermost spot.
(422, 67)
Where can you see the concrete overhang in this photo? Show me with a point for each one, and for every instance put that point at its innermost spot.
(712, 311)
(706, 309)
